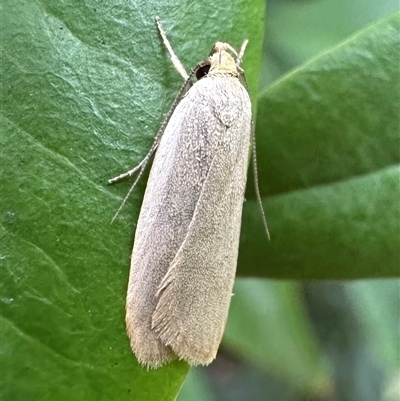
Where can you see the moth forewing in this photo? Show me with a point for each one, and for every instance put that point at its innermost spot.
(185, 250)
(195, 294)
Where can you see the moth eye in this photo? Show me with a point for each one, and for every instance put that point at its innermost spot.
(202, 71)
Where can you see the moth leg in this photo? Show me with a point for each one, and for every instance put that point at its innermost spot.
(174, 58)
(181, 69)
(185, 87)
(141, 166)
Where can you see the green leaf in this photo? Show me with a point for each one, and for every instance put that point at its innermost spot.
(329, 152)
(84, 89)
(299, 30)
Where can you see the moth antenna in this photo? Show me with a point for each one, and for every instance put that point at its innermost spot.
(253, 140)
(241, 53)
(255, 173)
(174, 58)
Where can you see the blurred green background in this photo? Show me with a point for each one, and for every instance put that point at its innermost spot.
(316, 311)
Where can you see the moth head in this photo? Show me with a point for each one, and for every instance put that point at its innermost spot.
(222, 62)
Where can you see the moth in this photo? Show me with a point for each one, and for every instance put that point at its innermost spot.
(185, 251)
